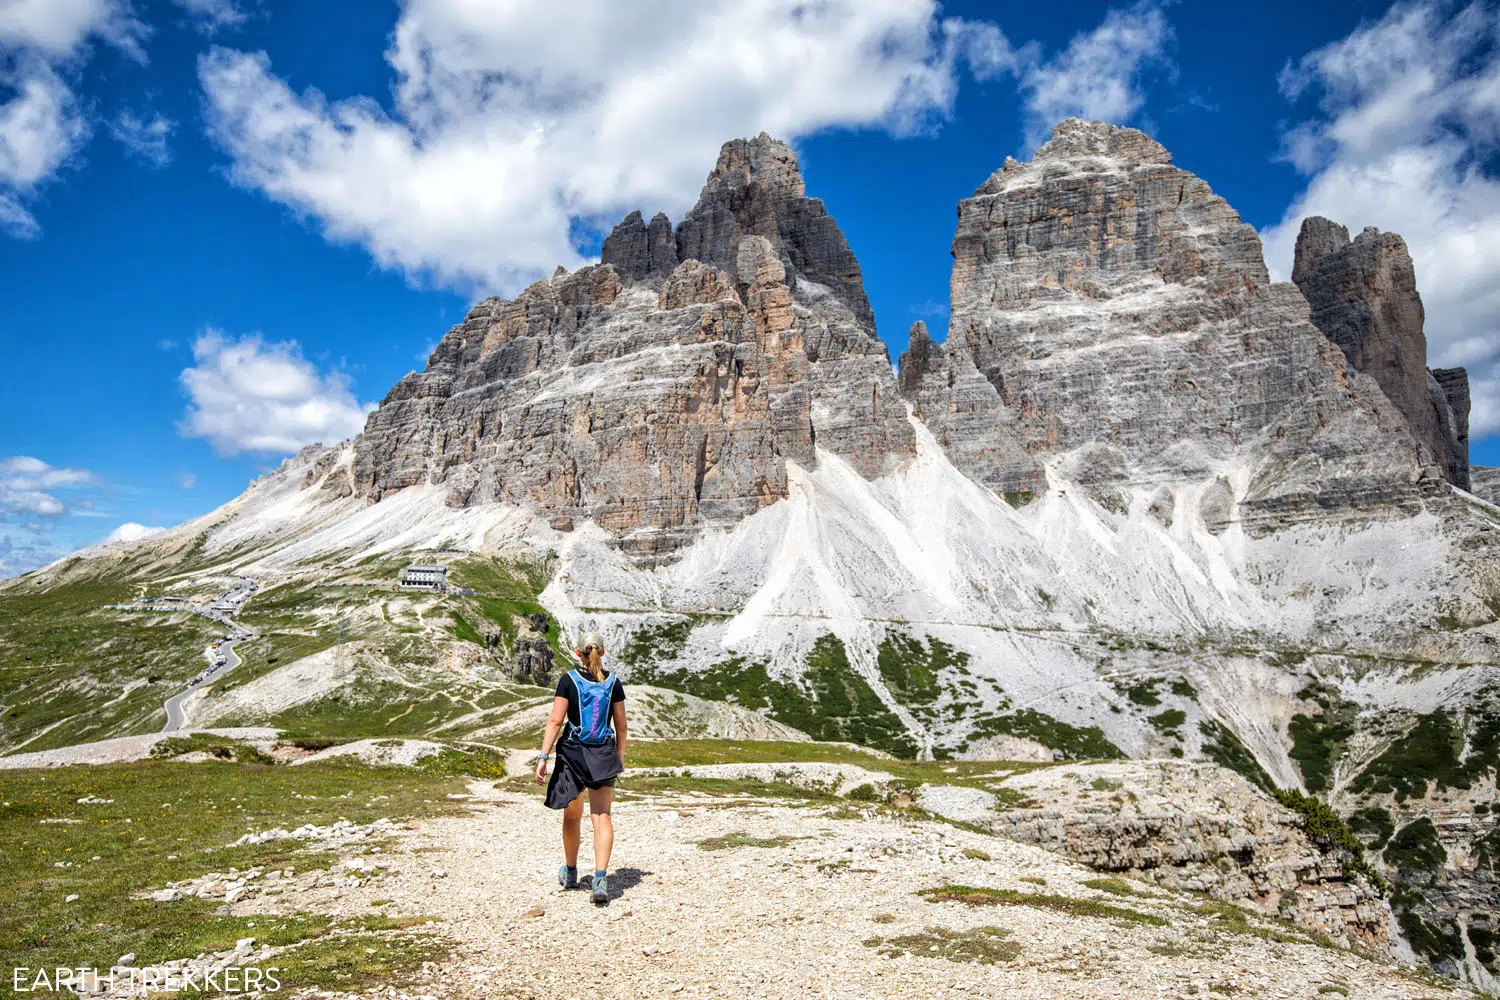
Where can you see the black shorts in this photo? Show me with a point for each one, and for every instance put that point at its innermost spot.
(581, 766)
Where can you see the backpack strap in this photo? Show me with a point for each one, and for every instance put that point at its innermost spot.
(609, 703)
(568, 728)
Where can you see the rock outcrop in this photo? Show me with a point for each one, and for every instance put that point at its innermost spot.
(1451, 404)
(531, 656)
(639, 252)
(1484, 482)
(665, 388)
(1199, 827)
(1363, 295)
(1113, 319)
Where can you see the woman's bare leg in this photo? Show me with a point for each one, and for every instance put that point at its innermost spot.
(572, 818)
(600, 801)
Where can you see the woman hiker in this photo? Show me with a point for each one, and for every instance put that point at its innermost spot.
(591, 703)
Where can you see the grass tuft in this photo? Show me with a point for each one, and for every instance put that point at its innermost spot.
(971, 895)
(981, 945)
(730, 841)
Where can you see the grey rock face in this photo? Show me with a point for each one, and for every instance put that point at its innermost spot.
(639, 252)
(1452, 409)
(1363, 296)
(1120, 310)
(967, 416)
(756, 189)
(653, 396)
(1484, 482)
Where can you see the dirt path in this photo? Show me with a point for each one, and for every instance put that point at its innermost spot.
(805, 916)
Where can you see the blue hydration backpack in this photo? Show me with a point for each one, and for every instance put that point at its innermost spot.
(594, 703)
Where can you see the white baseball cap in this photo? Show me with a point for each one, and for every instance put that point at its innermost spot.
(591, 639)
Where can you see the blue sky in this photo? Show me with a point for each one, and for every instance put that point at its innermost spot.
(227, 227)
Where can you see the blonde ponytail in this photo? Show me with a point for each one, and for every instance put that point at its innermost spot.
(593, 660)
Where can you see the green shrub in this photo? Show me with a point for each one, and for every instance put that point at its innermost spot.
(474, 761)
(1073, 742)
(1317, 743)
(1373, 825)
(218, 746)
(314, 743)
(1329, 832)
(730, 841)
(1430, 752)
(1487, 851)
(1435, 939)
(833, 703)
(1169, 720)
(1224, 748)
(1416, 848)
(1486, 946)
(1111, 885)
(982, 945)
(912, 672)
(652, 644)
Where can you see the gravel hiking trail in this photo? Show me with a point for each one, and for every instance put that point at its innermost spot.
(769, 898)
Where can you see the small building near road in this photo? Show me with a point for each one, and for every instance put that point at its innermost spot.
(433, 579)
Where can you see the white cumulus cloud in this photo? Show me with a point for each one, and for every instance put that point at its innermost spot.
(511, 122)
(1403, 138)
(144, 135)
(130, 531)
(34, 497)
(42, 125)
(58, 29)
(1099, 75)
(247, 395)
(211, 15)
(28, 487)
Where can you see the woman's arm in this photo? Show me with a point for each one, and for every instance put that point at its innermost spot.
(549, 735)
(619, 718)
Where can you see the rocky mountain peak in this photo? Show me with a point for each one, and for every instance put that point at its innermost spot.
(1113, 325)
(1318, 238)
(1363, 296)
(1123, 328)
(1076, 137)
(756, 189)
(641, 252)
(762, 161)
(1077, 140)
(565, 400)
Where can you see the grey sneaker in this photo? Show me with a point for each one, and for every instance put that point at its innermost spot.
(601, 890)
(567, 879)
